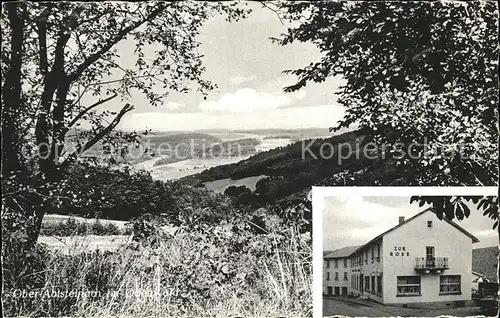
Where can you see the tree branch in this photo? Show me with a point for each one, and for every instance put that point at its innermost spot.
(120, 36)
(41, 22)
(82, 148)
(273, 10)
(87, 109)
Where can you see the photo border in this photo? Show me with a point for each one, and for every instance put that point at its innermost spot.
(318, 193)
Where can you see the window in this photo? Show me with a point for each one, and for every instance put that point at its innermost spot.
(327, 275)
(327, 263)
(345, 276)
(378, 252)
(408, 285)
(449, 285)
(336, 275)
(379, 285)
(429, 224)
(366, 256)
(336, 263)
(367, 282)
(429, 253)
(345, 262)
(373, 252)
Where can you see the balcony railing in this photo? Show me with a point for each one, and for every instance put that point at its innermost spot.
(433, 264)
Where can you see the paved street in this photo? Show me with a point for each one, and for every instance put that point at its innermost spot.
(353, 307)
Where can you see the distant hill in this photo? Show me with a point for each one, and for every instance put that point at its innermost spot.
(238, 147)
(171, 148)
(290, 133)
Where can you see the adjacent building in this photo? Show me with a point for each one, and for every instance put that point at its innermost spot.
(420, 260)
(485, 263)
(338, 271)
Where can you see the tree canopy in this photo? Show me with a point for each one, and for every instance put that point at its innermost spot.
(57, 54)
(420, 78)
(62, 60)
(415, 72)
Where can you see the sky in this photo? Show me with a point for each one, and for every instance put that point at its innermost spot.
(356, 220)
(247, 67)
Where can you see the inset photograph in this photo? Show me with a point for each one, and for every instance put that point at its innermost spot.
(410, 256)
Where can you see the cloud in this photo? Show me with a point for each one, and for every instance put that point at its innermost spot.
(249, 100)
(487, 233)
(283, 118)
(238, 80)
(355, 220)
(174, 105)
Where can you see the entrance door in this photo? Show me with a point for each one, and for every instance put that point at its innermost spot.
(329, 290)
(337, 290)
(361, 283)
(344, 291)
(429, 256)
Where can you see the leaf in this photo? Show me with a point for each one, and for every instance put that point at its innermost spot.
(466, 210)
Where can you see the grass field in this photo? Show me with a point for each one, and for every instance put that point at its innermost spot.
(221, 185)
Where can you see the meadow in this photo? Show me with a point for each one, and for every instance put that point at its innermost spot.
(221, 270)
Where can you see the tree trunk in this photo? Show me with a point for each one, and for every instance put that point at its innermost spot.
(11, 92)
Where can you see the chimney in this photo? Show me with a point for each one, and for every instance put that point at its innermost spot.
(401, 219)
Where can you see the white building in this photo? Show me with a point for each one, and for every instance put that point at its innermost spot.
(420, 260)
(476, 279)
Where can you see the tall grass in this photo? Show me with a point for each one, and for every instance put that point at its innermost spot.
(207, 273)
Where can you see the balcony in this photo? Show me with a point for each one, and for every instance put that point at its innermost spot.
(434, 265)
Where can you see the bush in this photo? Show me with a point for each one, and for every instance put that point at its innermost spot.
(71, 226)
(204, 271)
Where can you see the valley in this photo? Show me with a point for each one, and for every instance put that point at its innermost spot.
(205, 150)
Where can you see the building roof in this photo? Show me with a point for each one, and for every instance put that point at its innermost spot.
(343, 252)
(458, 227)
(485, 262)
(326, 252)
(478, 274)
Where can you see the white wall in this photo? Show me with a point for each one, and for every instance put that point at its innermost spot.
(370, 268)
(414, 236)
(332, 282)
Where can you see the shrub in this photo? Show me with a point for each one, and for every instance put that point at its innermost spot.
(71, 226)
(204, 270)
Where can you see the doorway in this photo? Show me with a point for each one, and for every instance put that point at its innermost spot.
(429, 256)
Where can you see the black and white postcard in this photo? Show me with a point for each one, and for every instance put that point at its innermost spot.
(158, 157)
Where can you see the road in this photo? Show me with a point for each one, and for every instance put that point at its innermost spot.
(364, 308)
